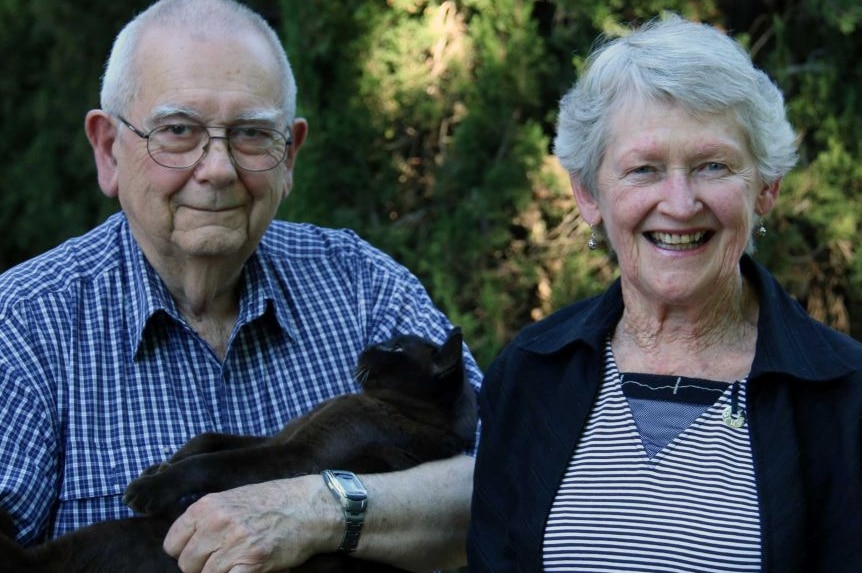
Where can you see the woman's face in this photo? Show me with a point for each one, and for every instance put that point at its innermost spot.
(678, 196)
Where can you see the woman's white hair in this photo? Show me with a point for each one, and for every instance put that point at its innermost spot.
(679, 62)
(212, 17)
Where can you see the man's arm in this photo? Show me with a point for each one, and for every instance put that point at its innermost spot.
(421, 524)
(29, 461)
(416, 519)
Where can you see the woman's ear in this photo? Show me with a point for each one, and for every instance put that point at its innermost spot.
(102, 133)
(587, 204)
(767, 197)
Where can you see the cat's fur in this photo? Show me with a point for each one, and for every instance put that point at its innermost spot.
(416, 406)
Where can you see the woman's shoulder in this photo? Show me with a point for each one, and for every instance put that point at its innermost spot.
(587, 320)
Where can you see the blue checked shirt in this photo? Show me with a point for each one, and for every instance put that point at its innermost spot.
(100, 376)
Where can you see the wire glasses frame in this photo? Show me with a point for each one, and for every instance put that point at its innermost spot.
(184, 145)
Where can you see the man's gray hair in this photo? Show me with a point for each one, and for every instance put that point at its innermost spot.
(211, 17)
(679, 62)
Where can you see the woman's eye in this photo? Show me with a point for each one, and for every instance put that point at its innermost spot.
(642, 169)
(642, 174)
(711, 169)
(714, 166)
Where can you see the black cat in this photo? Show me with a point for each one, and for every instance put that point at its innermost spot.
(416, 406)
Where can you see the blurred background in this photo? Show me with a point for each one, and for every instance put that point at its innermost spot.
(431, 124)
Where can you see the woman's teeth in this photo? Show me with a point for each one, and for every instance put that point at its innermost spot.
(677, 242)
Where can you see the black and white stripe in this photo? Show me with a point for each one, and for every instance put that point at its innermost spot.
(691, 507)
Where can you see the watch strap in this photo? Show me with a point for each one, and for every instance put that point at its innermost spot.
(351, 494)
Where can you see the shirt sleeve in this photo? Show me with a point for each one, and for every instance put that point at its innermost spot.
(397, 302)
(394, 300)
(29, 450)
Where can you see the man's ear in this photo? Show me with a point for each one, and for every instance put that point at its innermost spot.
(298, 133)
(102, 133)
(767, 197)
(587, 204)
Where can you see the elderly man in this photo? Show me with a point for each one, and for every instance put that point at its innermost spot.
(192, 310)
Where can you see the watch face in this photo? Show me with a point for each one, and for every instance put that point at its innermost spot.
(352, 488)
(348, 485)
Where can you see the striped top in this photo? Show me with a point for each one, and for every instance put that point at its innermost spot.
(692, 506)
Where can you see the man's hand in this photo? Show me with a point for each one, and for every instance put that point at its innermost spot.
(417, 520)
(259, 528)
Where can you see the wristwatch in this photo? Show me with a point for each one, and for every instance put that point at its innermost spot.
(350, 492)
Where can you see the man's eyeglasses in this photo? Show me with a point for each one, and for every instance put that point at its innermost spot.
(183, 145)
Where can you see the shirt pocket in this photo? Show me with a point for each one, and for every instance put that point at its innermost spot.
(95, 475)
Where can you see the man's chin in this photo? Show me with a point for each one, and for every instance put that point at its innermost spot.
(215, 242)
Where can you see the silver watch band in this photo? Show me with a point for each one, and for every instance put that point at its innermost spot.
(350, 492)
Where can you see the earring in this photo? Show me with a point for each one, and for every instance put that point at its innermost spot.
(761, 229)
(593, 243)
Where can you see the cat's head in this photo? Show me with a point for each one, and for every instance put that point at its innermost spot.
(424, 381)
(414, 366)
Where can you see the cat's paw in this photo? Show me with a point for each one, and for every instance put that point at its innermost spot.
(155, 468)
(151, 494)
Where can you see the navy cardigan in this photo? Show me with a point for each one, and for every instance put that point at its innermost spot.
(804, 404)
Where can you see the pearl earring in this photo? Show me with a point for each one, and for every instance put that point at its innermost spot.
(761, 229)
(593, 243)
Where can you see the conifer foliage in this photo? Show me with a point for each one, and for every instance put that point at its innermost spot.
(430, 127)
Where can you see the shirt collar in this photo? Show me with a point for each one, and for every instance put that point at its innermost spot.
(260, 293)
(586, 322)
(789, 342)
(150, 296)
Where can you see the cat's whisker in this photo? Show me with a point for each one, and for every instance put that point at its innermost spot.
(361, 375)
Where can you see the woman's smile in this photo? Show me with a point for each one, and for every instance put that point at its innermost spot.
(678, 241)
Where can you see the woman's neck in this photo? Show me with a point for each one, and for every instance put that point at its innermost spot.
(715, 339)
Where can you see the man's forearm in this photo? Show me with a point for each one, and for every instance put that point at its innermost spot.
(417, 518)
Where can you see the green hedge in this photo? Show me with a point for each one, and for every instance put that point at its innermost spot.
(430, 130)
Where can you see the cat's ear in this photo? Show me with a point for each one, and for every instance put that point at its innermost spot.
(450, 355)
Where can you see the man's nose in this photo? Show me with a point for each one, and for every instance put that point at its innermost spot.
(217, 157)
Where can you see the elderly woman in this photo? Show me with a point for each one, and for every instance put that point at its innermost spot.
(692, 417)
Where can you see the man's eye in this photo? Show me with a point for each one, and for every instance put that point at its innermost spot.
(246, 132)
(250, 135)
(178, 130)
